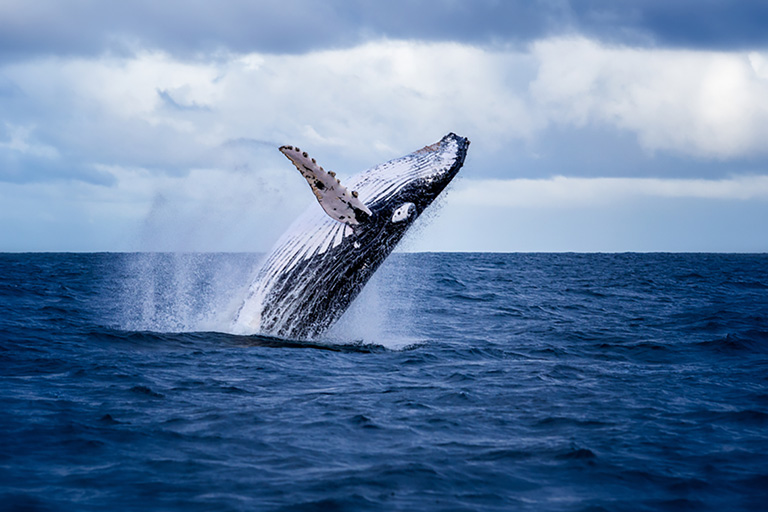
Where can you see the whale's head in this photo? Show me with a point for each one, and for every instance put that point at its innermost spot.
(398, 191)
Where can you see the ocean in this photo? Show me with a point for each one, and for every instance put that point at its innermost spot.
(478, 382)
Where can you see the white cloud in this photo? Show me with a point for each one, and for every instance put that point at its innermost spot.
(570, 192)
(368, 102)
(706, 104)
(375, 101)
(205, 210)
(187, 145)
(598, 214)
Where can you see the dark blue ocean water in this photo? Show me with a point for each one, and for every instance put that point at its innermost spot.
(485, 382)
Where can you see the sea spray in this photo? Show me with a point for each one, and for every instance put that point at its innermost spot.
(384, 312)
(200, 292)
(183, 292)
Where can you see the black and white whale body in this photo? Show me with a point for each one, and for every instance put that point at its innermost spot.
(325, 258)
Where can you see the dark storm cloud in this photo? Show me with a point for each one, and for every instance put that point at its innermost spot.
(190, 28)
(703, 24)
(186, 28)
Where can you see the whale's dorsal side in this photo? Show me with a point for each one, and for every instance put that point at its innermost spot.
(337, 201)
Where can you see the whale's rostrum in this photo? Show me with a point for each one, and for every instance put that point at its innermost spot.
(321, 263)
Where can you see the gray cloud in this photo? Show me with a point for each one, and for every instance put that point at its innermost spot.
(171, 102)
(108, 105)
(25, 167)
(192, 29)
(706, 24)
(598, 151)
(564, 106)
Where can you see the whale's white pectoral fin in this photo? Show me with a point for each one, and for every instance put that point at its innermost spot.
(337, 201)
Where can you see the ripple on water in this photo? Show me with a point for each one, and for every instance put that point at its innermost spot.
(508, 382)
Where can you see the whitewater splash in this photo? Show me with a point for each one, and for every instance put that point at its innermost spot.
(181, 292)
(323, 261)
(200, 292)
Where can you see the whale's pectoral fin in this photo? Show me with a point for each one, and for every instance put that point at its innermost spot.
(337, 201)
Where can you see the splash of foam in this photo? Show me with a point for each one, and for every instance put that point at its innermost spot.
(200, 292)
(183, 292)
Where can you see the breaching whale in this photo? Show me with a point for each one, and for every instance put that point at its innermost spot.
(322, 262)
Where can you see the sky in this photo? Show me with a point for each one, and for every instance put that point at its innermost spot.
(596, 125)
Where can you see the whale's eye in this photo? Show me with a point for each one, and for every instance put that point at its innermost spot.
(403, 212)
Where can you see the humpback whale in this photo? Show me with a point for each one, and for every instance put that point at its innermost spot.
(318, 267)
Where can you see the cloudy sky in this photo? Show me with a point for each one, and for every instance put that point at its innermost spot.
(599, 125)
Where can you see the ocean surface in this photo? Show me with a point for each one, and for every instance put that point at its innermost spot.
(483, 382)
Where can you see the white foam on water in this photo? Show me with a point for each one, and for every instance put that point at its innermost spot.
(194, 292)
